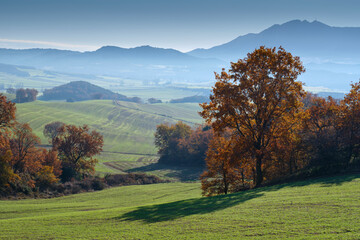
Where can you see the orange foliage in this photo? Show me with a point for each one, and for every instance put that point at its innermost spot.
(260, 100)
(180, 145)
(223, 174)
(50, 159)
(6, 173)
(349, 122)
(7, 113)
(76, 147)
(25, 154)
(46, 177)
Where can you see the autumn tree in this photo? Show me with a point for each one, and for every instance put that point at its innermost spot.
(258, 97)
(49, 170)
(51, 130)
(22, 164)
(6, 173)
(321, 131)
(23, 146)
(7, 113)
(50, 158)
(224, 175)
(193, 148)
(7, 120)
(181, 145)
(76, 147)
(349, 122)
(289, 153)
(25, 155)
(167, 139)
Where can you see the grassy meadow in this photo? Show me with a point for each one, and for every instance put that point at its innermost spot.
(325, 208)
(128, 128)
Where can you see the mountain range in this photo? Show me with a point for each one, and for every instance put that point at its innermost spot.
(310, 40)
(331, 56)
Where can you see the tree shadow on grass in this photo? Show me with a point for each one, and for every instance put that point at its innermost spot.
(337, 180)
(179, 209)
(182, 173)
(324, 181)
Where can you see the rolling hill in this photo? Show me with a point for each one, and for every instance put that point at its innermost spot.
(80, 91)
(128, 128)
(325, 208)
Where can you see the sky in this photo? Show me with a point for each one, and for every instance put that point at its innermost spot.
(86, 25)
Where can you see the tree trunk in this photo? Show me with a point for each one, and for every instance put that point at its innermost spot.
(259, 174)
(291, 163)
(225, 182)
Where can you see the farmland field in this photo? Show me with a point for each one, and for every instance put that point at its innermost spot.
(41, 80)
(128, 128)
(325, 208)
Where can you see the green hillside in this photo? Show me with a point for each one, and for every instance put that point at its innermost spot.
(128, 128)
(325, 208)
(80, 91)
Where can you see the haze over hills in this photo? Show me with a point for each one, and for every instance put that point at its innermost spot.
(144, 62)
(313, 41)
(331, 56)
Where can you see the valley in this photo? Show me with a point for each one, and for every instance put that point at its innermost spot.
(128, 128)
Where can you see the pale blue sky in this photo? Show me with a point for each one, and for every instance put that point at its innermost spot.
(183, 25)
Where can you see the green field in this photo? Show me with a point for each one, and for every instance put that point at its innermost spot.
(128, 128)
(325, 208)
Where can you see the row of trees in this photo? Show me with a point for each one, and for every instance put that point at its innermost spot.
(179, 144)
(324, 140)
(23, 95)
(264, 127)
(24, 166)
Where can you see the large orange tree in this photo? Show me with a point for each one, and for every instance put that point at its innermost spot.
(260, 99)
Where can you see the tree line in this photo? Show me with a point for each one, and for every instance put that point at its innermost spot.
(23, 95)
(180, 145)
(266, 128)
(25, 167)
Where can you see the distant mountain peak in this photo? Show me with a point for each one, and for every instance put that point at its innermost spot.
(296, 25)
(302, 22)
(145, 49)
(146, 46)
(304, 38)
(108, 48)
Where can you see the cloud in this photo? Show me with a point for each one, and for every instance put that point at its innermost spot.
(24, 43)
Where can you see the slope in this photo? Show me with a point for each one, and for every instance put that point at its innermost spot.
(128, 128)
(326, 208)
(80, 91)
